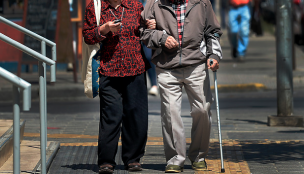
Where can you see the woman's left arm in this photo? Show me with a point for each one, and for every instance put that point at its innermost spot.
(90, 30)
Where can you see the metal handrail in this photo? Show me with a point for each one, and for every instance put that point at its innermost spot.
(26, 87)
(43, 60)
(38, 37)
(27, 50)
(17, 81)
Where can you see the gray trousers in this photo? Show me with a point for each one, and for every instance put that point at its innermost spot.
(195, 79)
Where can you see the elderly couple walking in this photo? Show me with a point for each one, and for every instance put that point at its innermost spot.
(184, 36)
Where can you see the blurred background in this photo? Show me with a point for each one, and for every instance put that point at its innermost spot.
(263, 20)
(42, 17)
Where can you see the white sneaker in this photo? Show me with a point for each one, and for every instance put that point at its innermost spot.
(153, 91)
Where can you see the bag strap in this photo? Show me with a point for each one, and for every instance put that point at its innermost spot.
(97, 5)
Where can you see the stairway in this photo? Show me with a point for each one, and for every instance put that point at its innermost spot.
(29, 150)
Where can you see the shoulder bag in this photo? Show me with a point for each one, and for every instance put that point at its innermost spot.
(91, 61)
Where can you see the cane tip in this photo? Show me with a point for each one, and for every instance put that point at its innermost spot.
(222, 170)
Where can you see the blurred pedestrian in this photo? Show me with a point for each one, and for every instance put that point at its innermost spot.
(184, 44)
(151, 72)
(122, 84)
(213, 2)
(224, 13)
(239, 27)
(256, 25)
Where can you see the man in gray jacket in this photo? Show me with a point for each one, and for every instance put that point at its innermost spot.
(185, 39)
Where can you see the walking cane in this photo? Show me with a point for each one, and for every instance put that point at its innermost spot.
(218, 118)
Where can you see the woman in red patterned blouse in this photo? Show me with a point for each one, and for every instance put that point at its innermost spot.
(122, 89)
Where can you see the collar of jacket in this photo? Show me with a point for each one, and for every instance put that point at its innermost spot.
(189, 6)
(105, 4)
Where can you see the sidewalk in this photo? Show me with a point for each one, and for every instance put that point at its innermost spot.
(249, 145)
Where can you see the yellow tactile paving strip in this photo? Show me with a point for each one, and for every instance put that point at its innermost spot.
(253, 86)
(61, 135)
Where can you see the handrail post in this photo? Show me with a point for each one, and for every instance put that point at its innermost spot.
(43, 52)
(53, 67)
(42, 84)
(18, 84)
(16, 125)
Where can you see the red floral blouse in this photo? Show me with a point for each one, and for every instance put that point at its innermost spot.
(121, 51)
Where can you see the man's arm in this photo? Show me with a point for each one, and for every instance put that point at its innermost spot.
(152, 38)
(212, 37)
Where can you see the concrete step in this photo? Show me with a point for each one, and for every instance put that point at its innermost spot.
(6, 139)
(29, 150)
(5, 125)
(30, 157)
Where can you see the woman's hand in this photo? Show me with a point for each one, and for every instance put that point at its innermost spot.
(151, 24)
(113, 27)
(109, 26)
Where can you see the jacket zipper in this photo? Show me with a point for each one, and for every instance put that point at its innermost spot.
(180, 53)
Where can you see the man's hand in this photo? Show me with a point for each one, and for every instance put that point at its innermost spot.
(171, 42)
(214, 66)
(151, 24)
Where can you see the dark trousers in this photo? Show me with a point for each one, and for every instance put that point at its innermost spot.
(151, 71)
(123, 108)
(213, 4)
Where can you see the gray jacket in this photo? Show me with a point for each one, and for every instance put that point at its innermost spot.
(200, 39)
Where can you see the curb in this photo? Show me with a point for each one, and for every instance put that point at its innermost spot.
(241, 87)
(51, 152)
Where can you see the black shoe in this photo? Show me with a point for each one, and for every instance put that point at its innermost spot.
(234, 53)
(106, 168)
(134, 167)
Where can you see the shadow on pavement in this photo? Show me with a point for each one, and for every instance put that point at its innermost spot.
(273, 151)
(249, 121)
(299, 131)
(79, 167)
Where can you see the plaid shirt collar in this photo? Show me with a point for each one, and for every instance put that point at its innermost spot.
(179, 7)
(177, 1)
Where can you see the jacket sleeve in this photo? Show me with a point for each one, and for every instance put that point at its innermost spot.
(90, 30)
(212, 34)
(151, 38)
